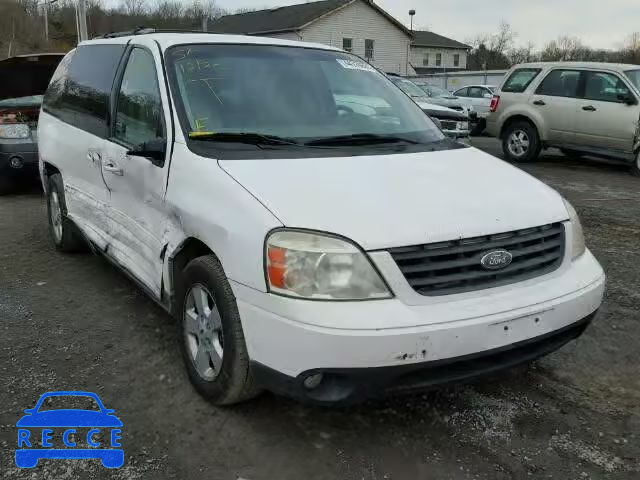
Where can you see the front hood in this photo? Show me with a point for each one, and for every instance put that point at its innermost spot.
(385, 201)
(27, 75)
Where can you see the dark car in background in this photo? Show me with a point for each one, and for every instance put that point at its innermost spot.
(23, 81)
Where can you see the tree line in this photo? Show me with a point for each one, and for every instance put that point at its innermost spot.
(499, 50)
(22, 21)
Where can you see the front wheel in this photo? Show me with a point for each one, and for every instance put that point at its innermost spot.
(521, 142)
(212, 339)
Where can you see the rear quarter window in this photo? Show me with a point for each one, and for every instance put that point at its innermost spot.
(520, 79)
(81, 86)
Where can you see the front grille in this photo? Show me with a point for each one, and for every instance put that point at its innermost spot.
(449, 124)
(452, 267)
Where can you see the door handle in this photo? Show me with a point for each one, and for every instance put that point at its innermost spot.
(589, 108)
(112, 168)
(539, 102)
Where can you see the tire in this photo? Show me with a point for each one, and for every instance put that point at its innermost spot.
(521, 142)
(64, 234)
(479, 128)
(635, 168)
(571, 153)
(6, 185)
(211, 336)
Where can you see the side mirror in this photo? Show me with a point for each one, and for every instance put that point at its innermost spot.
(155, 150)
(627, 98)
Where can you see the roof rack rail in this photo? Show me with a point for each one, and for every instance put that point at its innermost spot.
(147, 31)
(128, 33)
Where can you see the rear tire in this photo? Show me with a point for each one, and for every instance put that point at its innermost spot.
(211, 336)
(635, 168)
(521, 142)
(64, 234)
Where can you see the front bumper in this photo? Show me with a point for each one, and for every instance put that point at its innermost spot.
(25, 152)
(343, 386)
(297, 337)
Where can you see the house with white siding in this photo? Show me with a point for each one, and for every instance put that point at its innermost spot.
(358, 26)
(433, 53)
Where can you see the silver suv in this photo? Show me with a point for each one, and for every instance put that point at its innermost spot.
(582, 108)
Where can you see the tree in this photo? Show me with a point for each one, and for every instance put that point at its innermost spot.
(489, 51)
(134, 8)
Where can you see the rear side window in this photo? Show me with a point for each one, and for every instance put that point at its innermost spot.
(80, 89)
(605, 87)
(520, 79)
(560, 83)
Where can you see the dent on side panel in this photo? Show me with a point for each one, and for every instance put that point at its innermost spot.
(203, 202)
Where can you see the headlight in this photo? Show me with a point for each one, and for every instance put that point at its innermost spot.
(463, 125)
(14, 130)
(578, 246)
(320, 267)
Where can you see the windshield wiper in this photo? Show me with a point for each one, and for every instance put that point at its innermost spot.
(359, 139)
(242, 137)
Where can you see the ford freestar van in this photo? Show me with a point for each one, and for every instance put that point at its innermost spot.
(305, 248)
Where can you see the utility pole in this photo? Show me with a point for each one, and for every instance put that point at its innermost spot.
(81, 20)
(45, 10)
(13, 35)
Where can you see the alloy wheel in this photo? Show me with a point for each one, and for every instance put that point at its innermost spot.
(518, 143)
(203, 332)
(56, 216)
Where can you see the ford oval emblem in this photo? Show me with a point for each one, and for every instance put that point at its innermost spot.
(496, 260)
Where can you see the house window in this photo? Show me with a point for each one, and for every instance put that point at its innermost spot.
(368, 49)
(456, 60)
(438, 59)
(347, 44)
(425, 60)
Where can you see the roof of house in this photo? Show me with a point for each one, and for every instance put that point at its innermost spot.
(430, 39)
(287, 19)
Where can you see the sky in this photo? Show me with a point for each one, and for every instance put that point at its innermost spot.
(599, 24)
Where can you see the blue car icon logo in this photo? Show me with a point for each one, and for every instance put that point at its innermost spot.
(69, 433)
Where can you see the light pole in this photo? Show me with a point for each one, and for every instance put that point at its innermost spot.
(412, 12)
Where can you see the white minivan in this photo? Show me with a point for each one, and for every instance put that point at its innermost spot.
(305, 248)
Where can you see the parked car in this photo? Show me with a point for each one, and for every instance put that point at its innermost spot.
(582, 108)
(316, 252)
(23, 80)
(477, 97)
(454, 124)
(440, 96)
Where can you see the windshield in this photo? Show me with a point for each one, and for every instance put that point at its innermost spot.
(408, 87)
(634, 76)
(436, 91)
(300, 94)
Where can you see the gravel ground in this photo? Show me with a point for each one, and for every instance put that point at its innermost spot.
(74, 322)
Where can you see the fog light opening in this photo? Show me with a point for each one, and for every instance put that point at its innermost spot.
(16, 162)
(313, 381)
